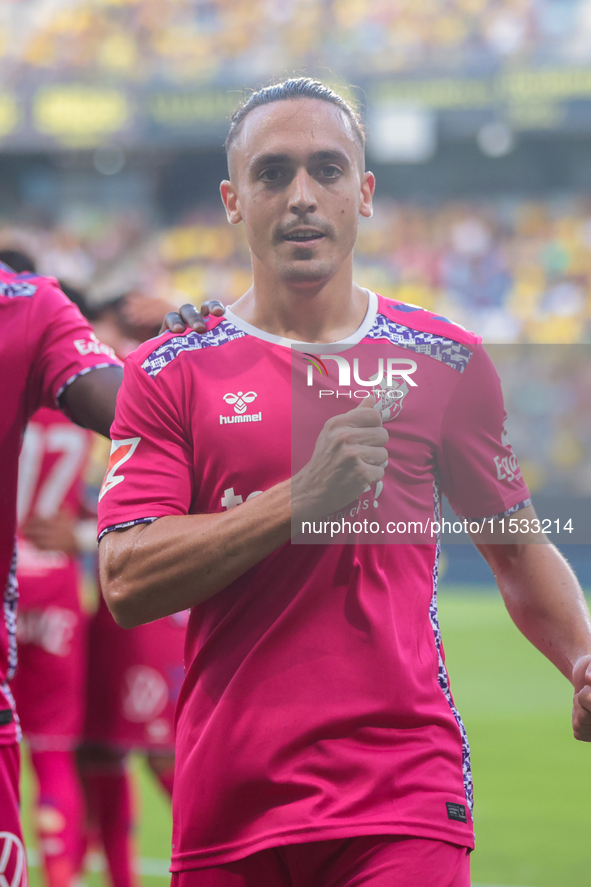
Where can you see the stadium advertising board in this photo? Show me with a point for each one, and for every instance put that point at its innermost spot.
(74, 114)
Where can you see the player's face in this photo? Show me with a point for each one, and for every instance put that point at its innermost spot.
(297, 183)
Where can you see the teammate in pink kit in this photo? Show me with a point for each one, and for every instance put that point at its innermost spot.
(51, 631)
(132, 691)
(133, 680)
(318, 743)
(49, 356)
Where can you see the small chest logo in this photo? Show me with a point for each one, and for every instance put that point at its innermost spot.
(239, 401)
(390, 399)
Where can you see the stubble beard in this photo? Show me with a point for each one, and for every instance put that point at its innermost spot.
(307, 273)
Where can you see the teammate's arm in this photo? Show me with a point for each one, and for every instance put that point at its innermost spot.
(545, 601)
(178, 561)
(90, 399)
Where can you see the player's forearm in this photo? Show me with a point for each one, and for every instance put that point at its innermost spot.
(153, 570)
(544, 599)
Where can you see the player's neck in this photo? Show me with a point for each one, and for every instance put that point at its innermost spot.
(327, 313)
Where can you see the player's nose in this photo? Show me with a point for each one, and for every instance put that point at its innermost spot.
(301, 197)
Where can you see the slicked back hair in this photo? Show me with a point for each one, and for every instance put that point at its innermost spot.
(295, 88)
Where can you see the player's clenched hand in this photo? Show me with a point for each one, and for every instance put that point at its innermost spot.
(188, 316)
(582, 700)
(350, 454)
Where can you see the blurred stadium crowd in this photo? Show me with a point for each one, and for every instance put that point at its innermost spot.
(514, 266)
(512, 270)
(180, 40)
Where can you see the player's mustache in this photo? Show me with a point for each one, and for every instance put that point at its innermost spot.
(283, 229)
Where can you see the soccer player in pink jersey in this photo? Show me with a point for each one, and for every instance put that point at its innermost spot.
(49, 356)
(134, 677)
(51, 630)
(317, 739)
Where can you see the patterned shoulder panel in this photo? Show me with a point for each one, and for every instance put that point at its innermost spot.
(14, 286)
(169, 350)
(446, 350)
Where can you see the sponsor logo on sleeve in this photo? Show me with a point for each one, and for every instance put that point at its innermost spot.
(507, 466)
(92, 346)
(121, 451)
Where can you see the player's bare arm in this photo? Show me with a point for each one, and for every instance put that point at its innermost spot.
(545, 601)
(153, 570)
(91, 398)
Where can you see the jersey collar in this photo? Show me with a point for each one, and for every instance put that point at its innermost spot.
(325, 347)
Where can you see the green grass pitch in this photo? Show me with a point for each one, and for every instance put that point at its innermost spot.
(532, 780)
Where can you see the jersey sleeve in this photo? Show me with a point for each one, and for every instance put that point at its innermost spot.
(150, 471)
(64, 342)
(478, 471)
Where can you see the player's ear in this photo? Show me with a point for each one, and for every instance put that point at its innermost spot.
(231, 202)
(368, 184)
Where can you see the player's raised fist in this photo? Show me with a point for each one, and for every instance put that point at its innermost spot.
(350, 455)
(582, 700)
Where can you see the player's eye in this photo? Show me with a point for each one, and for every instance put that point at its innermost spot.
(330, 171)
(270, 175)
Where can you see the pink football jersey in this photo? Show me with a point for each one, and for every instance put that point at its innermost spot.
(46, 344)
(316, 702)
(134, 680)
(53, 458)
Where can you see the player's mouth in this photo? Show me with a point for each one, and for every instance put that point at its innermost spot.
(308, 236)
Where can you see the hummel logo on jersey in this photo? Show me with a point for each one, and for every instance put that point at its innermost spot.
(240, 402)
(121, 451)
